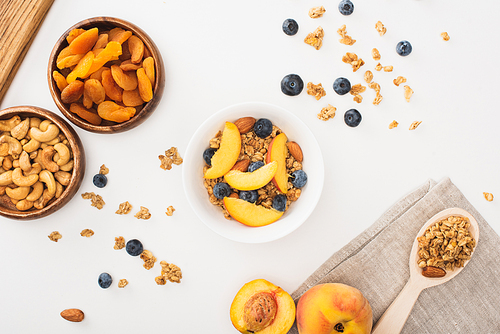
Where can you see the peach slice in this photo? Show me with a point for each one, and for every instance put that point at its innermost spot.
(261, 307)
(253, 180)
(227, 154)
(277, 152)
(250, 214)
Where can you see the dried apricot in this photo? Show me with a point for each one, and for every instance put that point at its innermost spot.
(90, 116)
(126, 80)
(113, 91)
(82, 68)
(127, 65)
(119, 35)
(98, 74)
(84, 42)
(113, 112)
(112, 49)
(72, 92)
(69, 61)
(94, 89)
(126, 53)
(60, 80)
(74, 34)
(136, 49)
(87, 101)
(145, 87)
(147, 53)
(101, 43)
(63, 54)
(149, 67)
(132, 98)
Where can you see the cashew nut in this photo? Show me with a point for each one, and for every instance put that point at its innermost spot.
(63, 177)
(53, 141)
(64, 154)
(35, 122)
(18, 193)
(15, 147)
(24, 205)
(15, 163)
(25, 162)
(44, 124)
(23, 181)
(44, 136)
(59, 189)
(8, 124)
(48, 178)
(43, 200)
(4, 150)
(35, 169)
(68, 166)
(7, 163)
(47, 161)
(6, 178)
(2, 190)
(36, 192)
(14, 201)
(21, 130)
(31, 146)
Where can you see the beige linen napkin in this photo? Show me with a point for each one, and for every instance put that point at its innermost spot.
(376, 263)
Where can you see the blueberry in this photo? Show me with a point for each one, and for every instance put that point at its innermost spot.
(105, 280)
(341, 86)
(208, 154)
(346, 7)
(279, 202)
(134, 247)
(292, 85)
(263, 127)
(403, 48)
(352, 117)
(249, 196)
(254, 166)
(100, 180)
(221, 190)
(290, 27)
(299, 178)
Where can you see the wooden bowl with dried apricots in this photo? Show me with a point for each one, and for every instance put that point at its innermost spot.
(42, 162)
(106, 75)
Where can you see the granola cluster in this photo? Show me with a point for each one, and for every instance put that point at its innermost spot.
(55, 236)
(124, 208)
(87, 233)
(353, 60)
(446, 244)
(315, 38)
(316, 90)
(148, 258)
(327, 113)
(346, 39)
(119, 243)
(169, 272)
(143, 213)
(96, 200)
(171, 156)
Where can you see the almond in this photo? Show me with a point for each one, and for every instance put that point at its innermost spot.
(430, 271)
(234, 195)
(245, 124)
(241, 165)
(72, 314)
(295, 150)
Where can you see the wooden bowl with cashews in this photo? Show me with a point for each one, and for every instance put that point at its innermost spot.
(42, 162)
(98, 75)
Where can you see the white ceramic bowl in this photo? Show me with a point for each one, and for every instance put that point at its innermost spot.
(299, 211)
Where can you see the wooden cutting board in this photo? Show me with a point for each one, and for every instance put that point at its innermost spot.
(19, 23)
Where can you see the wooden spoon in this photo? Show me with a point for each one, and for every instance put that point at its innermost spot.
(394, 318)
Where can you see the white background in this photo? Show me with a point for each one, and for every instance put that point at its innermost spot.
(218, 53)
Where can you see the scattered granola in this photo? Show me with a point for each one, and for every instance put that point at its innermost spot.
(316, 12)
(170, 211)
(55, 236)
(160, 280)
(148, 258)
(352, 58)
(357, 98)
(143, 214)
(380, 28)
(327, 113)
(379, 67)
(399, 80)
(488, 197)
(445, 36)
(346, 39)
(171, 156)
(315, 38)
(96, 200)
(315, 90)
(378, 99)
(87, 233)
(119, 243)
(170, 272)
(376, 87)
(375, 54)
(368, 76)
(414, 125)
(103, 170)
(408, 93)
(393, 124)
(447, 244)
(124, 208)
(122, 283)
(388, 68)
(357, 89)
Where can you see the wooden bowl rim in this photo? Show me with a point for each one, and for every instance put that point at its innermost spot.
(78, 168)
(148, 108)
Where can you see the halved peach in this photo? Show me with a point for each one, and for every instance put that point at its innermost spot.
(261, 307)
(250, 214)
(251, 180)
(227, 154)
(277, 152)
